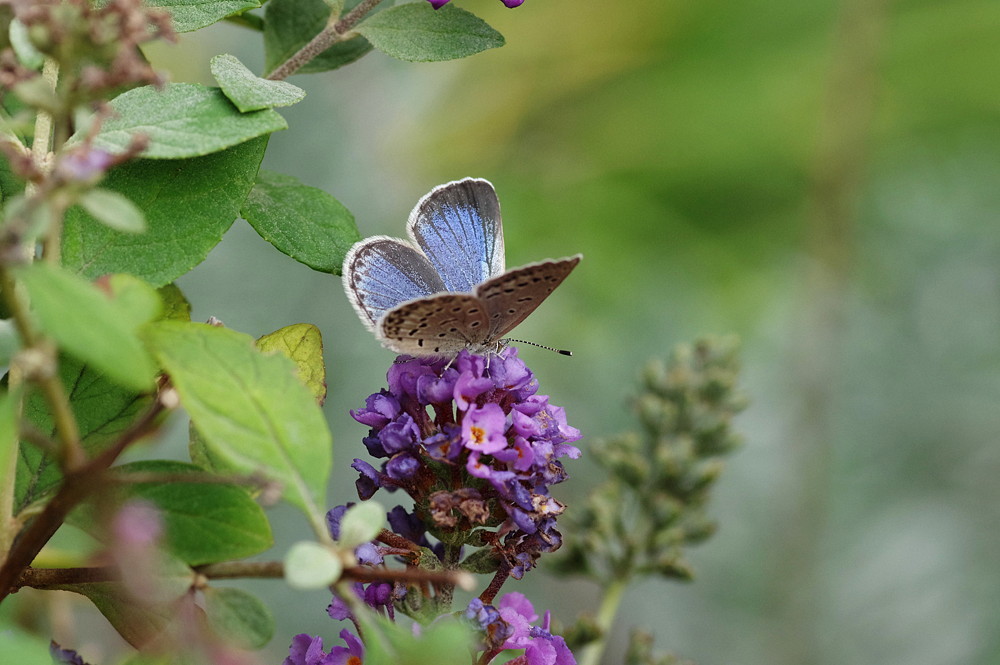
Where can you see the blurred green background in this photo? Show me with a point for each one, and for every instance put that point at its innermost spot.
(821, 178)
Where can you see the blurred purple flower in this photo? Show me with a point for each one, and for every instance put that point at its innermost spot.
(306, 650)
(85, 164)
(64, 656)
(540, 646)
(438, 4)
(380, 596)
(487, 619)
(509, 626)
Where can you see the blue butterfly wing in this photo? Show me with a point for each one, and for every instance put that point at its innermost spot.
(381, 272)
(458, 228)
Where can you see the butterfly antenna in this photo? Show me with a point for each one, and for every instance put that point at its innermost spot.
(562, 352)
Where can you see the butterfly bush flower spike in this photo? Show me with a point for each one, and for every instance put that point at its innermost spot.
(474, 445)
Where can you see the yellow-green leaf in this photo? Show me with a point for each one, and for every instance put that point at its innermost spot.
(303, 344)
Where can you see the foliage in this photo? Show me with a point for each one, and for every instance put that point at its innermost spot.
(115, 184)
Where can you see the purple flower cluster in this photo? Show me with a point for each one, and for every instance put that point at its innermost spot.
(438, 4)
(307, 650)
(509, 626)
(474, 445)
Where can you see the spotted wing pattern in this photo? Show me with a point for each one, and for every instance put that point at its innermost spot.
(512, 296)
(447, 290)
(442, 324)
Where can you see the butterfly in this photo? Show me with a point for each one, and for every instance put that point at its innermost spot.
(447, 288)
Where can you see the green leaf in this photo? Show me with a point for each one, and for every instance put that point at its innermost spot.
(139, 622)
(204, 456)
(10, 184)
(390, 643)
(483, 561)
(8, 436)
(182, 120)
(88, 325)
(18, 646)
(190, 15)
(338, 55)
(303, 344)
(303, 222)
(136, 299)
(290, 24)
(103, 411)
(309, 565)
(20, 41)
(175, 306)
(188, 204)
(9, 342)
(253, 412)
(249, 92)
(113, 210)
(417, 32)
(204, 522)
(238, 617)
(361, 523)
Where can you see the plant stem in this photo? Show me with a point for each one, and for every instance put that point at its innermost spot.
(228, 570)
(491, 591)
(613, 594)
(334, 31)
(77, 484)
(48, 578)
(42, 142)
(52, 388)
(51, 131)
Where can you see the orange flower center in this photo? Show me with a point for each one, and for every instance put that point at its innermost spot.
(478, 434)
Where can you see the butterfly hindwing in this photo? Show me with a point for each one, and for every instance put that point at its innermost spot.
(459, 230)
(381, 272)
(442, 324)
(447, 290)
(512, 296)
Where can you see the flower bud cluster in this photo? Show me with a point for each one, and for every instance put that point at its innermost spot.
(660, 476)
(94, 44)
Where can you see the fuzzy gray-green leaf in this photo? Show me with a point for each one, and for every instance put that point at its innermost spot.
(182, 120)
(248, 91)
(417, 32)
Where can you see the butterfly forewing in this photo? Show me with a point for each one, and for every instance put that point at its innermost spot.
(448, 290)
(442, 324)
(382, 272)
(512, 296)
(458, 228)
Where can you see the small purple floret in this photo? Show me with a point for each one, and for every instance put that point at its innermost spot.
(510, 626)
(307, 650)
(438, 4)
(64, 656)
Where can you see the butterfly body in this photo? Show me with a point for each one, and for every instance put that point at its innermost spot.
(447, 288)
